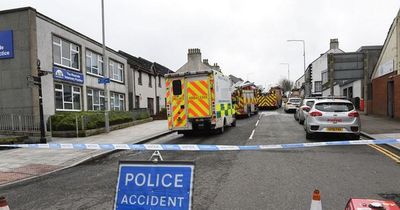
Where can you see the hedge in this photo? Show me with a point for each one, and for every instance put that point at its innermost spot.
(66, 121)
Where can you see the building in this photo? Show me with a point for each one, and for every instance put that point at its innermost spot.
(146, 82)
(74, 63)
(299, 83)
(385, 77)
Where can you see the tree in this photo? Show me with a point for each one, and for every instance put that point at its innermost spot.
(286, 85)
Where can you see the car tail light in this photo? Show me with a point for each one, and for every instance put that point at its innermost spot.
(354, 114)
(315, 114)
(306, 109)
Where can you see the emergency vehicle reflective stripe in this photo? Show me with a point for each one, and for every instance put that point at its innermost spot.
(224, 110)
(267, 101)
(200, 147)
(198, 98)
(168, 98)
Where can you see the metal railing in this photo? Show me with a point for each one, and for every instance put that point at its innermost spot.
(19, 122)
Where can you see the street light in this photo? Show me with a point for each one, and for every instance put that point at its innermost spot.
(288, 70)
(304, 49)
(105, 71)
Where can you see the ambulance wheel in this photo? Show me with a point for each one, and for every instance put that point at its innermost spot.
(233, 124)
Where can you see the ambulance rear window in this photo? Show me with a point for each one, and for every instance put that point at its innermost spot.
(177, 87)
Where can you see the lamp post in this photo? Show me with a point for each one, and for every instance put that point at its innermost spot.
(304, 49)
(105, 71)
(288, 70)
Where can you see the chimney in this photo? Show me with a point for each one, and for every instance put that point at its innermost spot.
(194, 55)
(216, 67)
(334, 44)
(205, 61)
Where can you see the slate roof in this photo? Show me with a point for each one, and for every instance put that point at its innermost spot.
(144, 65)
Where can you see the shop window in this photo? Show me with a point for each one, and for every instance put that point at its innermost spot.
(66, 53)
(67, 97)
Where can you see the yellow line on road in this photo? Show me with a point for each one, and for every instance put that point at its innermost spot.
(386, 152)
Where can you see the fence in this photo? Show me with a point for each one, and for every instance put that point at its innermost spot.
(19, 123)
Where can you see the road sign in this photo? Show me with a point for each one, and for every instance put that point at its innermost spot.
(154, 185)
(104, 80)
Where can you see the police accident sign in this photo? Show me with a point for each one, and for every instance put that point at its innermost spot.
(148, 185)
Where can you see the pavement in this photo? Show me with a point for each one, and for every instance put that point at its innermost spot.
(378, 127)
(22, 164)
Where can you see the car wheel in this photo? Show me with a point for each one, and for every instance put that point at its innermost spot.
(301, 122)
(233, 124)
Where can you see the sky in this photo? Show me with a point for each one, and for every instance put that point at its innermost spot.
(246, 38)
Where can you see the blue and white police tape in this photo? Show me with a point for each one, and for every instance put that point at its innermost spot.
(198, 147)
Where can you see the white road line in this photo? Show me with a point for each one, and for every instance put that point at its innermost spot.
(257, 122)
(252, 133)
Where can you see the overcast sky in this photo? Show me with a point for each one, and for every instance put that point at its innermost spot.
(246, 38)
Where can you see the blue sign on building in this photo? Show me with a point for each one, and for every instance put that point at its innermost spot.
(6, 44)
(67, 75)
(104, 80)
(148, 185)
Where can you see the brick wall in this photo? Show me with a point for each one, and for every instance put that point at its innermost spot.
(396, 80)
(379, 95)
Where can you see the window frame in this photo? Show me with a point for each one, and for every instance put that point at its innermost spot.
(100, 63)
(71, 51)
(73, 93)
(92, 95)
(121, 101)
(140, 79)
(115, 67)
(150, 81)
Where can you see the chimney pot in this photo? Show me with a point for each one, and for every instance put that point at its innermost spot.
(334, 44)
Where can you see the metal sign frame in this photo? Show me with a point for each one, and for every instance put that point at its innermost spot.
(158, 164)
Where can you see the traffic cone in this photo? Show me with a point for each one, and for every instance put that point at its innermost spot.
(316, 201)
(3, 204)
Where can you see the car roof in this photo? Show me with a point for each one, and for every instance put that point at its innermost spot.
(333, 100)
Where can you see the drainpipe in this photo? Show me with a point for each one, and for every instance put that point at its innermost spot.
(155, 89)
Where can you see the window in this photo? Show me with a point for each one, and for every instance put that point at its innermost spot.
(95, 99)
(334, 107)
(66, 53)
(67, 97)
(150, 80)
(116, 70)
(318, 86)
(137, 102)
(159, 81)
(117, 101)
(324, 76)
(345, 92)
(94, 63)
(140, 78)
(177, 87)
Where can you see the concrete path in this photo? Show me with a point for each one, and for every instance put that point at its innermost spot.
(22, 163)
(381, 128)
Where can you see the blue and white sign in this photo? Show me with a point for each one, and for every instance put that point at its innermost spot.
(148, 185)
(104, 80)
(67, 75)
(6, 44)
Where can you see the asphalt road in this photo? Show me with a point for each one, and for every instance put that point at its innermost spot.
(279, 179)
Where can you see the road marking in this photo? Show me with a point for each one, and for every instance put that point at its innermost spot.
(386, 152)
(252, 133)
(257, 122)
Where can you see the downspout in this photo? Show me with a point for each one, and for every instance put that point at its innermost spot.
(155, 88)
(134, 89)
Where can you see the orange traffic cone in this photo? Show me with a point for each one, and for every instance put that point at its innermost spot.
(316, 201)
(3, 204)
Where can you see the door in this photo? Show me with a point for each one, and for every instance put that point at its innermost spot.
(150, 105)
(390, 99)
(198, 93)
(179, 110)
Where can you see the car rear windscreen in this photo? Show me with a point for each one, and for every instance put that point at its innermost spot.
(310, 103)
(294, 100)
(334, 107)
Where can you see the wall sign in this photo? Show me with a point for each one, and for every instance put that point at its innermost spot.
(148, 185)
(6, 44)
(67, 75)
(385, 68)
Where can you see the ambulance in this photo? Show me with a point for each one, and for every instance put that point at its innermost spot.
(198, 97)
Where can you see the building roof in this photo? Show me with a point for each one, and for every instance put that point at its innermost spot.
(144, 65)
(235, 79)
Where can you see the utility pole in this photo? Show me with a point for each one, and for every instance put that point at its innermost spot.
(42, 126)
(105, 72)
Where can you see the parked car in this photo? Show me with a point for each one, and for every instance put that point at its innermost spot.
(302, 111)
(333, 116)
(292, 104)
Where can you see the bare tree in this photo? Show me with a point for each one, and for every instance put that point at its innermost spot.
(286, 85)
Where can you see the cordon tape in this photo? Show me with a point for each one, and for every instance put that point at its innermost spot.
(197, 147)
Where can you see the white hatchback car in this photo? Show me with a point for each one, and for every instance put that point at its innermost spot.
(292, 104)
(333, 116)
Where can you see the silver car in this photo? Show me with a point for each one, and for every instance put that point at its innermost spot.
(302, 111)
(333, 116)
